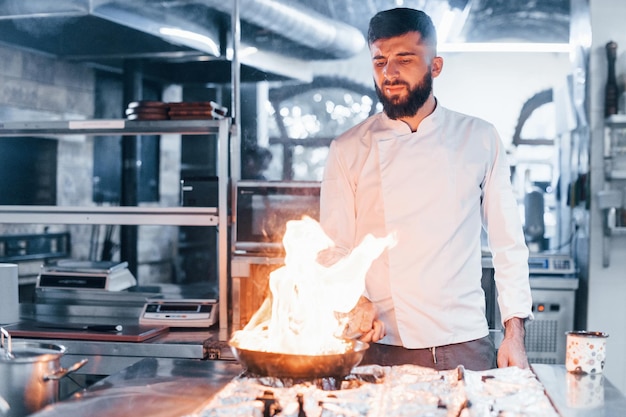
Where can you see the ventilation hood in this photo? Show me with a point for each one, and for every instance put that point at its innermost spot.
(195, 34)
(189, 39)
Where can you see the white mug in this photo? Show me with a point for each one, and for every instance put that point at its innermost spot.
(585, 352)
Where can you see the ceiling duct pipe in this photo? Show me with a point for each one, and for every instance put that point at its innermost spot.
(157, 22)
(173, 25)
(301, 25)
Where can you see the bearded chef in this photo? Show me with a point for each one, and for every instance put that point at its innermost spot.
(435, 178)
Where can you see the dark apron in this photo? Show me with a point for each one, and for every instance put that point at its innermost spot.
(475, 355)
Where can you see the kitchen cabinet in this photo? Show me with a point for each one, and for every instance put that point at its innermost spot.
(611, 198)
(136, 215)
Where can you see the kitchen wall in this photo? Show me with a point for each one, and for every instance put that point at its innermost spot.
(32, 82)
(495, 86)
(36, 87)
(607, 286)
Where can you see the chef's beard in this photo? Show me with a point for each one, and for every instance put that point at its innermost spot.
(397, 108)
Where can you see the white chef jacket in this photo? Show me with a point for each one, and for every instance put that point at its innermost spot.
(435, 188)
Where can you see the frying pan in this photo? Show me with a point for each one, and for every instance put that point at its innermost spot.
(286, 365)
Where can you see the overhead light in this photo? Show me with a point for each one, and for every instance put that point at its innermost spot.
(274, 62)
(243, 51)
(204, 43)
(504, 47)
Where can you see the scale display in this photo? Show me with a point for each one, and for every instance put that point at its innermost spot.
(551, 264)
(180, 313)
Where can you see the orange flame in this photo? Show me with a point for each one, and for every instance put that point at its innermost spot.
(307, 295)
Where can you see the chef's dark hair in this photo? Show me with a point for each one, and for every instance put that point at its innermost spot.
(401, 20)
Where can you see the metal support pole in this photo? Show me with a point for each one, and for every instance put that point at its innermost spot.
(131, 165)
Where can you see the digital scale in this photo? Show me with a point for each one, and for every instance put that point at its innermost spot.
(180, 313)
(86, 275)
(557, 264)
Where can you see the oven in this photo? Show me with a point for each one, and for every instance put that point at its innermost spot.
(553, 285)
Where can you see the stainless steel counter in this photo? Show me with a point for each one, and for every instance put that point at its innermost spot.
(581, 395)
(152, 387)
(158, 387)
(109, 357)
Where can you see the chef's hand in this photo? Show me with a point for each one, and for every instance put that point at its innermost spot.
(512, 351)
(363, 320)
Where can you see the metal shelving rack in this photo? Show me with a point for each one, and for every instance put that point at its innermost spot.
(175, 216)
(615, 147)
(611, 200)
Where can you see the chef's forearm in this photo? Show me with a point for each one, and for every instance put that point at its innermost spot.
(514, 328)
(512, 351)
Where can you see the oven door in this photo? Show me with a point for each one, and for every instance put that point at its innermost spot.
(263, 209)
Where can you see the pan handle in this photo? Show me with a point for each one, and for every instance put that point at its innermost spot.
(6, 346)
(63, 372)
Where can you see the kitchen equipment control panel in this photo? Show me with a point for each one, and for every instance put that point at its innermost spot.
(180, 313)
(551, 264)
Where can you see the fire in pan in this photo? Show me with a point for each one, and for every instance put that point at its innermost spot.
(296, 366)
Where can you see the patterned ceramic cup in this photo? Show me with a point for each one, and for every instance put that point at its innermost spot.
(585, 352)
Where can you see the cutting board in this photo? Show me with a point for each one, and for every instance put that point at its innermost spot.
(129, 333)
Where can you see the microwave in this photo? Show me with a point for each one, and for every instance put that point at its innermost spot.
(263, 209)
